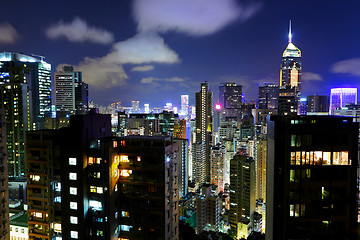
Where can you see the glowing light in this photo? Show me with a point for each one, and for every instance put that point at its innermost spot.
(218, 106)
(167, 159)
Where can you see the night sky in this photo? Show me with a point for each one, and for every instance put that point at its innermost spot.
(156, 50)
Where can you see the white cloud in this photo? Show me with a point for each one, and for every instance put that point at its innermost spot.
(107, 71)
(143, 48)
(310, 76)
(350, 66)
(149, 80)
(194, 17)
(144, 68)
(8, 33)
(102, 73)
(79, 31)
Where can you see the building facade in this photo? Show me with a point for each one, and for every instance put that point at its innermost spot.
(203, 134)
(316, 103)
(25, 94)
(312, 178)
(268, 96)
(4, 188)
(290, 80)
(340, 97)
(71, 93)
(230, 98)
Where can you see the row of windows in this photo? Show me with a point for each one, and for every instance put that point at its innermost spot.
(319, 158)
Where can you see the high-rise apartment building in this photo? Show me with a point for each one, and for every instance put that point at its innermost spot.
(71, 93)
(4, 188)
(316, 103)
(208, 208)
(340, 97)
(203, 132)
(268, 96)
(230, 98)
(184, 105)
(242, 193)
(218, 166)
(290, 80)
(59, 184)
(312, 178)
(95, 186)
(25, 94)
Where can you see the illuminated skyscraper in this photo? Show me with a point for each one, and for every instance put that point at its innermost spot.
(230, 98)
(340, 97)
(71, 93)
(268, 96)
(135, 106)
(184, 105)
(290, 80)
(25, 93)
(203, 139)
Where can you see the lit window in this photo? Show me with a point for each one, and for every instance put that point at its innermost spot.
(317, 157)
(344, 160)
(100, 190)
(35, 178)
(37, 214)
(72, 176)
(116, 173)
(116, 159)
(72, 161)
(125, 173)
(99, 233)
(57, 199)
(116, 187)
(74, 234)
(91, 160)
(298, 158)
(73, 205)
(124, 158)
(124, 214)
(336, 158)
(73, 191)
(57, 227)
(125, 228)
(114, 144)
(73, 220)
(93, 189)
(138, 158)
(292, 158)
(95, 204)
(326, 158)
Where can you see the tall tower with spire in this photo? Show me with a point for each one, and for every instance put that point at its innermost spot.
(290, 79)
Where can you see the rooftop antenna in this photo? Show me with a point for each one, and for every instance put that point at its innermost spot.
(290, 35)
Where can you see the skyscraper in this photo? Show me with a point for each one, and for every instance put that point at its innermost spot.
(316, 103)
(25, 93)
(340, 97)
(312, 178)
(204, 128)
(290, 79)
(230, 98)
(268, 95)
(4, 188)
(242, 193)
(184, 105)
(71, 93)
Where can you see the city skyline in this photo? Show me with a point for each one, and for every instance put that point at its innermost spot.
(230, 41)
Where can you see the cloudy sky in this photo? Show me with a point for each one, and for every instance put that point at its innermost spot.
(156, 50)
